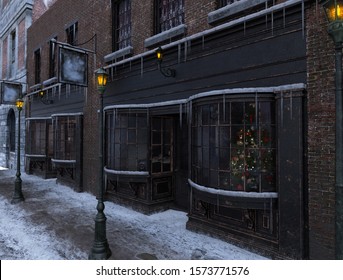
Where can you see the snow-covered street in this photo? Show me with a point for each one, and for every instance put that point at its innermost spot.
(55, 222)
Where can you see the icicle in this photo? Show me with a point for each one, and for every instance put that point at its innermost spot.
(85, 93)
(244, 27)
(67, 90)
(224, 108)
(59, 91)
(218, 203)
(284, 17)
(256, 110)
(190, 112)
(180, 113)
(179, 53)
(272, 19)
(291, 104)
(203, 42)
(147, 117)
(281, 111)
(303, 17)
(185, 51)
(142, 66)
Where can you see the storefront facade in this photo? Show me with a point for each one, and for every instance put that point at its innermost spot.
(224, 126)
(223, 138)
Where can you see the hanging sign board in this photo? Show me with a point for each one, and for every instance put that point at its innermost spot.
(10, 92)
(73, 66)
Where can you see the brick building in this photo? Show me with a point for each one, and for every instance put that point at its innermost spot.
(15, 18)
(235, 125)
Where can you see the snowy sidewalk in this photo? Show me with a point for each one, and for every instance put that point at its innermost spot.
(55, 222)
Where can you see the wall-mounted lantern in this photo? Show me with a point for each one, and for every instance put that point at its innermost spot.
(44, 98)
(167, 72)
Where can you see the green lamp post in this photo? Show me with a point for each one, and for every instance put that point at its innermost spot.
(334, 14)
(100, 249)
(18, 194)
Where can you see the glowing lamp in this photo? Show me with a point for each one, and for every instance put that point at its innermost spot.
(19, 104)
(101, 78)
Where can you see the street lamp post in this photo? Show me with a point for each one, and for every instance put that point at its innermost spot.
(100, 249)
(334, 13)
(18, 194)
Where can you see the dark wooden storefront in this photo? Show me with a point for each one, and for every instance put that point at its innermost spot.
(54, 145)
(250, 62)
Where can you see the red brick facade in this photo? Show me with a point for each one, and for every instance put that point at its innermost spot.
(94, 25)
(321, 135)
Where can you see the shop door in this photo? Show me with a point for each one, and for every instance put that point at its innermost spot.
(162, 157)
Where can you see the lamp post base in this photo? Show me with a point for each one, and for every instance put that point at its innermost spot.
(100, 249)
(18, 194)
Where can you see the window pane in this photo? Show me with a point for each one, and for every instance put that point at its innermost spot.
(170, 13)
(238, 154)
(237, 113)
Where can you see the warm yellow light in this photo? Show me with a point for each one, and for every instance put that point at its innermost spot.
(335, 13)
(41, 93)
(159, 54)
(102, 80)
(101, 77)
(19, 103)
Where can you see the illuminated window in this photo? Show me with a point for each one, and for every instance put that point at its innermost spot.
(233, 145)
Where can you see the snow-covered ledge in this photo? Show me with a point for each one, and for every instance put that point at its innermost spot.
(234, 8)
(233, 193)
(35, 156)
(117, 54)
(63, 161)
(166, 35)
(127, 173)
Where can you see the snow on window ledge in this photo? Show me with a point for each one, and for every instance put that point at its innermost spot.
(127, 173)
(118, 54)
(166, 35)
(233, 193)
(232, 9)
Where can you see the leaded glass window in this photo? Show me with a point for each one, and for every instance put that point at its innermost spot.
(121, 24)
(64, 140)
(126, 141)
(233, 145)
(169, 14)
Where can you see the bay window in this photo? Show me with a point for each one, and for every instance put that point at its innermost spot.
(233, 144)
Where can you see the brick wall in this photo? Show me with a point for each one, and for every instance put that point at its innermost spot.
(94, 18)
(321, 136)
(142, 26)
(21, 44)
(196, 14)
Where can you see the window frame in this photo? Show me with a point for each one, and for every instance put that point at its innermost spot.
(52, 58)
(158, 23)
(72, 33)
(37, 65)
(252, 161)
(118, 42)
(126, 140)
